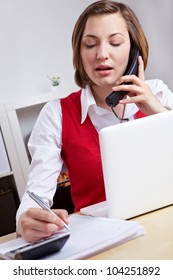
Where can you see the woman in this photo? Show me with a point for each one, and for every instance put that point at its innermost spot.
(67, 130)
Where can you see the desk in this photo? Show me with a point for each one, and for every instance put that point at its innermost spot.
(156, 244)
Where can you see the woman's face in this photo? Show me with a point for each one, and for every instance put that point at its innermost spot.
(105, 48)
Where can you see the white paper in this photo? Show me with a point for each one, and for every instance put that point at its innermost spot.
(90, 235)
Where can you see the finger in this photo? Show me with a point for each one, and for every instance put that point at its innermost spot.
(134, 99)
(41, 215)
(33, 235)
(130, 88)
(33, 230)
(40, 230)
(141, 74)
(62, 214)
(128, 80)
(42, 220)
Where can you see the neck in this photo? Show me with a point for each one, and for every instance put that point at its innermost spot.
(100, 95)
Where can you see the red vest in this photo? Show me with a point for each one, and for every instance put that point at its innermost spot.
(81, 154)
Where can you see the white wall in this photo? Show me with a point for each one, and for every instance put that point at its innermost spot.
(157, 21)
(36, 42)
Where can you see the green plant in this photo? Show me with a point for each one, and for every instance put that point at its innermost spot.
(55, 80)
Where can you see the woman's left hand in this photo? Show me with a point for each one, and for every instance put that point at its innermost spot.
(139, 92)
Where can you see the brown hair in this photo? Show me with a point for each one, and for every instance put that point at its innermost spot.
(134, 28)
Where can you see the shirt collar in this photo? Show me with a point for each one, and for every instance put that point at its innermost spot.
(130, 110)
(87, 100)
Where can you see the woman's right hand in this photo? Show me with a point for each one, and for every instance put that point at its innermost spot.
(37, 223)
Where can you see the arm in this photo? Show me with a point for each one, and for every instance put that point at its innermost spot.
(45, 148)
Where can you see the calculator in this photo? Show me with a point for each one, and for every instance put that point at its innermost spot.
(41, 248)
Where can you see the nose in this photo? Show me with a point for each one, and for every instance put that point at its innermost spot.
(102, 52)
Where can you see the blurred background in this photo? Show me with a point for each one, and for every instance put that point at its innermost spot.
(36, 43)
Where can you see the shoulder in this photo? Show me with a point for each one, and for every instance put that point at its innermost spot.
(162, 92)
(158, 86)
(51, 108)
(49, 116)
(72, 96)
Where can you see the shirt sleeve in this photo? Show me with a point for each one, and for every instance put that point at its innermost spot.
(45, 149)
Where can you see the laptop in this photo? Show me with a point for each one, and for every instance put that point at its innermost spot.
(137, 160)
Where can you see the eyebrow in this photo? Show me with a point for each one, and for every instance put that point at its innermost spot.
(112, 35)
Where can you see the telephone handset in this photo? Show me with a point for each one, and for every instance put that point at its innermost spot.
(112, 99)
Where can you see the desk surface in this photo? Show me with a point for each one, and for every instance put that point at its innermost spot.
(156, 244)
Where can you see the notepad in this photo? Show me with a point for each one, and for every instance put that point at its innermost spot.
(89, 236)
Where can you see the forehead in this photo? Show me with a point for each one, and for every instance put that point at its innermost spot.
(112, 23)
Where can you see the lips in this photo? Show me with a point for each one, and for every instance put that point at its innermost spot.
(103, 68)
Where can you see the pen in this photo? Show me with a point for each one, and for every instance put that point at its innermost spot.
(43, 204)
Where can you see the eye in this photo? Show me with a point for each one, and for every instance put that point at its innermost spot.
(115, 44)
(88, 46)
(89, 43)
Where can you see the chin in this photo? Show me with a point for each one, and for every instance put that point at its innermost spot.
(103, 88)
(106, 85)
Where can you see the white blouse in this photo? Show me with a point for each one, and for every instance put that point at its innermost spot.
(45, 140)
